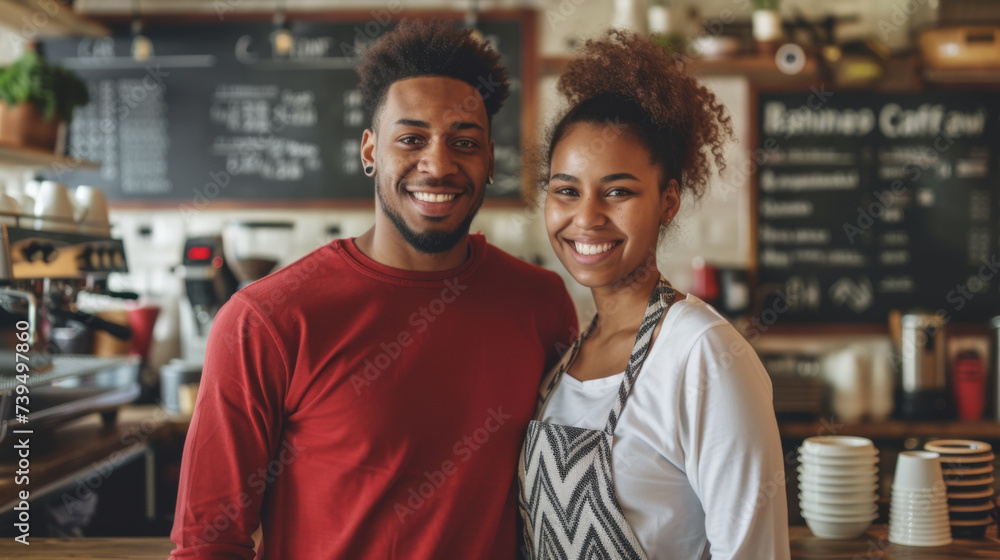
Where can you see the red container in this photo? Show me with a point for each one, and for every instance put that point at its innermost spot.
(142, 320)
(969, 375)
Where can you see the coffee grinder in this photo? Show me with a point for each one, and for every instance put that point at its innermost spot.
(254, 249)
(209, 282)
(215, 267)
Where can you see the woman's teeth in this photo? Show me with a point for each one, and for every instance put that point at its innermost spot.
(431, 197)
(585, 249)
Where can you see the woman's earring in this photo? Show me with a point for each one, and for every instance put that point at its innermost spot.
(369, 170)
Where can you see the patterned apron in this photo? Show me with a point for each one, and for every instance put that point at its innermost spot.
(567, 495)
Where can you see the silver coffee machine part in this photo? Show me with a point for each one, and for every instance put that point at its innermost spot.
(924, 356)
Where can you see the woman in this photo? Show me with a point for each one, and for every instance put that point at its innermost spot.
(655, 438)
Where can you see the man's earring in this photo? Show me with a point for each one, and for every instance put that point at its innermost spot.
(369, 170)
(490, 179)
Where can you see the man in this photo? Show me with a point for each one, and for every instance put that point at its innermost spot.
(370, 399)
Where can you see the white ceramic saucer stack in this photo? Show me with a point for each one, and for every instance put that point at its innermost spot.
(918, 513)
(838, 477)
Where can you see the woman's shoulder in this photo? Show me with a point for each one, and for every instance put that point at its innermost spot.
(691, 319)
(698, 335)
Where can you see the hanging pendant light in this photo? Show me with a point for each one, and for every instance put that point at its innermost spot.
(282, 39)
(142, 47)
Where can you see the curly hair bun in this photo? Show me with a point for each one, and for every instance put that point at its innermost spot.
(686, 115)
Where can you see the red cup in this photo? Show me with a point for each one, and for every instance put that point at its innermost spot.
(969, 376)
(142, 320)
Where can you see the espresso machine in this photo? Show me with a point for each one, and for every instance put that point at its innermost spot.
(43, 268)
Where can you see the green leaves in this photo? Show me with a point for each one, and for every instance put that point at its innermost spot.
(768, 5)
(52, 89)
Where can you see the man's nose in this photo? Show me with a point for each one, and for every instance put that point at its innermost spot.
(436, 160)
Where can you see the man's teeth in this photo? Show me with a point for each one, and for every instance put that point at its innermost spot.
(431, 197)
(585, 249)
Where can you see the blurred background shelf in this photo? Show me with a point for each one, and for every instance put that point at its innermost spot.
(47, 18)
(754, 66)
(893, 429)
(29, 157)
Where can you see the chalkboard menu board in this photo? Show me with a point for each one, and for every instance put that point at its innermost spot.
(215, 114)
(873, 202)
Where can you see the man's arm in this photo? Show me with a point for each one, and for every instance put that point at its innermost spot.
(234, 433)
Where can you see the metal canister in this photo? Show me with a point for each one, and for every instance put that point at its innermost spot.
(924, 355)
(924, 380)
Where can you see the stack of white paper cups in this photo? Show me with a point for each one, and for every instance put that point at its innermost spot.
(918, 513)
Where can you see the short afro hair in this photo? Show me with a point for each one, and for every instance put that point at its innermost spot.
(629, 78)
(432, 48)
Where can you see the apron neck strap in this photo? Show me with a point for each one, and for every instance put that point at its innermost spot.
(659, 300)
(566, 362)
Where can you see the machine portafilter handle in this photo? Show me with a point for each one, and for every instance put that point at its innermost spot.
(32, 311)
(122, 332)
(119, 295)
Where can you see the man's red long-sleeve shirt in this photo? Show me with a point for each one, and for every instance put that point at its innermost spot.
(360, 411)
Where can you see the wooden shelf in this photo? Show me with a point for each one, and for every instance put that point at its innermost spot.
(31, 157)
(755, 66)
(988, 76)
(22, 16)
(894, 429)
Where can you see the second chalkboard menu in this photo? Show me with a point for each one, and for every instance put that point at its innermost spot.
(873, 202)
(216, 114)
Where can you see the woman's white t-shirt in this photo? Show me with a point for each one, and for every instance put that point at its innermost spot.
(697, 459)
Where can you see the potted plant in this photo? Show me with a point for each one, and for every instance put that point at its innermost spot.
(766, 22)
(35, 98)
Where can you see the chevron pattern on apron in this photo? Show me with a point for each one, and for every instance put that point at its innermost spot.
(567, 495)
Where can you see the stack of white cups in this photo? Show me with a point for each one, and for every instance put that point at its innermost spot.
(918, 514)
(838, 477)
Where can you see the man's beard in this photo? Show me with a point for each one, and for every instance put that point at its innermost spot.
(428, 242)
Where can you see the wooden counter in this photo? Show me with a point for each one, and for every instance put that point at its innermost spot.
(137, 548)
(66, 454)
(985, 430)
(804, 547)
